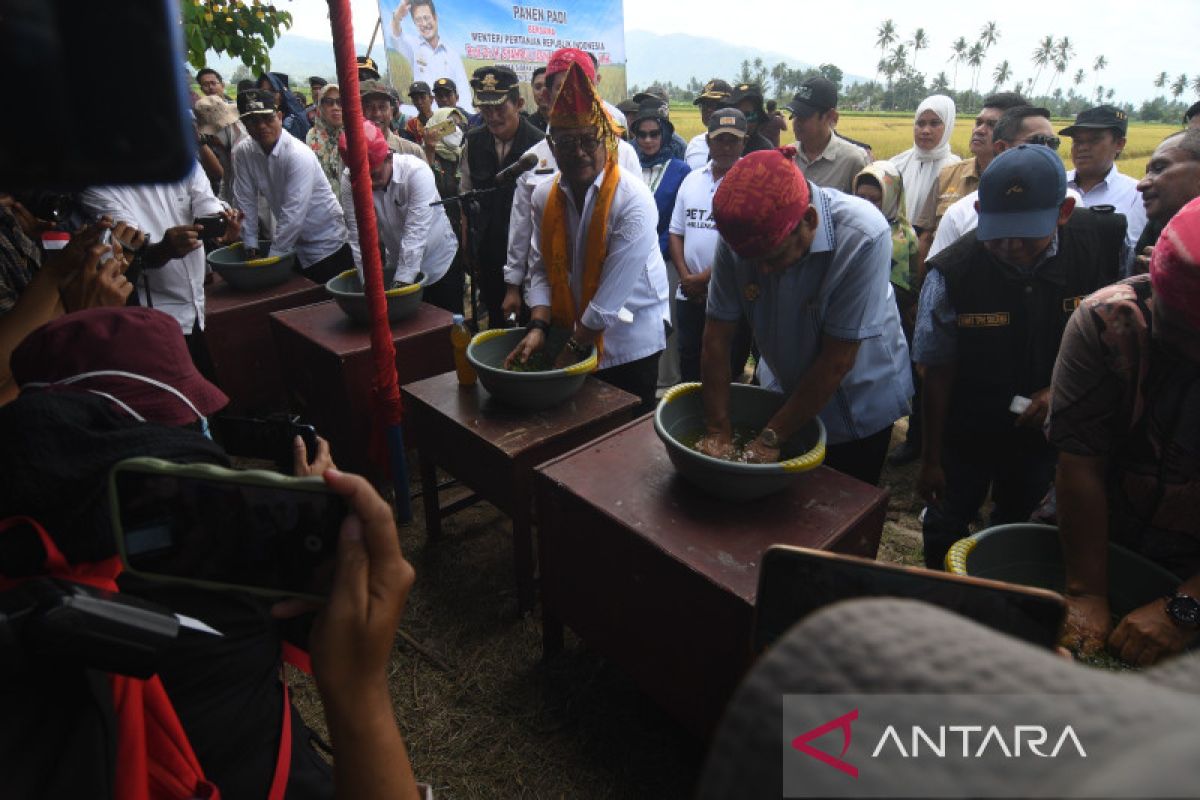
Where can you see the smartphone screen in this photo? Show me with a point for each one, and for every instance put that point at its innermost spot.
(795, 582)
(217, 531)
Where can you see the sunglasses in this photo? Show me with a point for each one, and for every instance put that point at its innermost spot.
(648, 134)
(331, 101)
(568, 143)
(1045, 140)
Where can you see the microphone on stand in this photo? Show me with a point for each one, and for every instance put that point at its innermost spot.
(514, 171)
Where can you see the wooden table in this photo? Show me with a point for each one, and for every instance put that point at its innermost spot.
(493, 448)
(237, 335)
(326, 361)
(661, 578)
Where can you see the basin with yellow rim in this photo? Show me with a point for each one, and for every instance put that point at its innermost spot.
(347, 290)
(257, 273)
(679, 422)
(529, 390)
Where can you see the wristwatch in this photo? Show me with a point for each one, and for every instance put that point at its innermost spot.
(538, 325)
(769, 437)
(1184, 610)
(580, 350)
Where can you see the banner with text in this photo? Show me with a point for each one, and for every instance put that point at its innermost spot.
(430, 39)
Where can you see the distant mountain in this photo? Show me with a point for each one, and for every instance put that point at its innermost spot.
(651, 58)
(678, 57)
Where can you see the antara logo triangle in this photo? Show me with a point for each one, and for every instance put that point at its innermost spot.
(801, 743)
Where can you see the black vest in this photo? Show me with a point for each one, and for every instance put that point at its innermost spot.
(494, 208)
(1010, 324)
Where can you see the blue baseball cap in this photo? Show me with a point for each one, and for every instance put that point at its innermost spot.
(1020, 194)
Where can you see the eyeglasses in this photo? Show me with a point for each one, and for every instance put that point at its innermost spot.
(1044, 139)
(655, 134)
(331, 101)
(568, 143)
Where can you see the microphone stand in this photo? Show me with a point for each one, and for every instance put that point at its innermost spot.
(468, 202)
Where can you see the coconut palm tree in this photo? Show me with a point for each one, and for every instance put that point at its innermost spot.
(1099, 65)
(958, 55)
(1161, 80)
(1180, 84)
(1079, 76)
(941, 84)
(1001, 74)
(1043, 55)
(975, 58)
(1196, 85)
(1063, 52)
(885, 34)
(919, 42)
(989, 35)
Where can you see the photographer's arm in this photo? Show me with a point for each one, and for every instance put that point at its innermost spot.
(352, 644)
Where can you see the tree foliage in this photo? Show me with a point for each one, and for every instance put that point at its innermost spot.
(246, 31)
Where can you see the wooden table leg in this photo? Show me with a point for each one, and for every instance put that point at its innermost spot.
(429, 494)
(522, 524)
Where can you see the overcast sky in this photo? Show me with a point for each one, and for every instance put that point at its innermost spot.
(1139, 39)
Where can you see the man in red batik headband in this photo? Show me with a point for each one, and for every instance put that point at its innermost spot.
(808, 268)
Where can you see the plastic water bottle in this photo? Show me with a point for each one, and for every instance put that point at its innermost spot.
(460, 337)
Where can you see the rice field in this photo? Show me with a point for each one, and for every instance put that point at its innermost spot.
(890, 134)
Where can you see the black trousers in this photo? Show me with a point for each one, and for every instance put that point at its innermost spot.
(861, 458)
(330, 266)
(1017, 466)
(447, 293)
(689, 319)
(639, 378)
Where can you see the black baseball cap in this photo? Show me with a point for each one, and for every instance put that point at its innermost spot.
(372, 87)
(418, 87)
(817, 94)
(746, 91)
(715, 91)
(727, 120)
(367, 64)
(654, 92)
(317, 81)
(1099, 118)
(256, 101)
(444, 85)
(492, 84)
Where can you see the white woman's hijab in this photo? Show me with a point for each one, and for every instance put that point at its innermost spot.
(919, 168)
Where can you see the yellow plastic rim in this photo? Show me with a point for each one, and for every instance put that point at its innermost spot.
(262, 262)
(679, 390)
(810, 460)
(583, 367)
(484, 336)
(956, 556)
(589, 364)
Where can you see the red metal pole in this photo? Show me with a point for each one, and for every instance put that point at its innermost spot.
(385, 389)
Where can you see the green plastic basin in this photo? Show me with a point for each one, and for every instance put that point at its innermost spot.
(680, 415)
(1031, 555)
(528, 390)
(347, 290)
(260, 273)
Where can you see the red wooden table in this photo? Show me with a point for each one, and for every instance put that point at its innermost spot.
(237, 335)
(661, 578)
(493, 448)
(326, 361)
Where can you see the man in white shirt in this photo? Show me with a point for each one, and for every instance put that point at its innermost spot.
(428, 52)
(693, 240)
(715, 95)
(614, 297)
(1097, 138)
(417, 238)
(172, 264)
(308, 218)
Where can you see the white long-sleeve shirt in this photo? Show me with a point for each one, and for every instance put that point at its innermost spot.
(308, 218)
(177, 287)
(520, 221)
(416, 237)
(632, 276)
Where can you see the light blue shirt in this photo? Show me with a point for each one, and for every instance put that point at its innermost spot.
(839, 289)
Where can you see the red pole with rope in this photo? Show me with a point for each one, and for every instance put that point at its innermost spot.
(385, 386)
